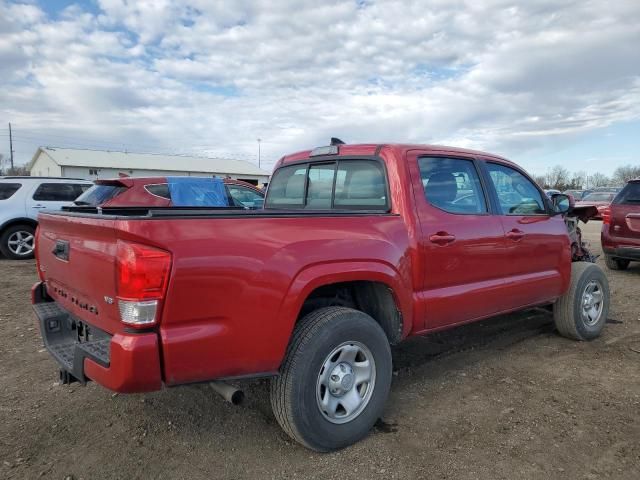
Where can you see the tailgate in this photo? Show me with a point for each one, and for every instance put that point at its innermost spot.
(76, 255)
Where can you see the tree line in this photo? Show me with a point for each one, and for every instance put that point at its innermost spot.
(562, 179)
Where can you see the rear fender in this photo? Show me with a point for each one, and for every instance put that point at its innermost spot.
(315, 276)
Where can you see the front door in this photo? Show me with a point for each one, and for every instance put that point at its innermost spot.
(537, 245)
(462, 243)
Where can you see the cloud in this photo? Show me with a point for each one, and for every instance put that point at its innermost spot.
(210, 77)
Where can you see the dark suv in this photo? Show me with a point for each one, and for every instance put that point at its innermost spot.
(621, 228)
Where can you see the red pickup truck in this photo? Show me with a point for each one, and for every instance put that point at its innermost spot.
(357, 248)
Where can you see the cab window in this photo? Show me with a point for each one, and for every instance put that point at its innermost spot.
(452, 185)
(517, 195)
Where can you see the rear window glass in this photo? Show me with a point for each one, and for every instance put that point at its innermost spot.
(286, 189)
(99, 194)
(629, 194)
(598, 197)
(347, 184)
(59, 192)
(360, 184)
(8, 189)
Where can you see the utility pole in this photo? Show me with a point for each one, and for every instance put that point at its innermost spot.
(259, 140)
(11, 146)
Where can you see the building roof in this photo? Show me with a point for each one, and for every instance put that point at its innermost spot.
(72, 157)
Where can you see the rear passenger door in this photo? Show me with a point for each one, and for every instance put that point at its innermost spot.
(538, 254)
(462, 243)
(53, 196)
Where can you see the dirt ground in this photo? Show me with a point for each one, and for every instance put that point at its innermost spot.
(503, 399)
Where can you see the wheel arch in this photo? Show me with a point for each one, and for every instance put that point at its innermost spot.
(18, 221)
(374, 287)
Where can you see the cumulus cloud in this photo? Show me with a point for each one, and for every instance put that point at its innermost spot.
(210, 77)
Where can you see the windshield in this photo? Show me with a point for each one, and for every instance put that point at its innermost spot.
(598, 197)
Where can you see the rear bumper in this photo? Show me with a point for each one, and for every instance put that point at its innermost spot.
(122, 362)
(626, 253)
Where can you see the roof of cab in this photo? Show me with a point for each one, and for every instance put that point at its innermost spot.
(401, 148)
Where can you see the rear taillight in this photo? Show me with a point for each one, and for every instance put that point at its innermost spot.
(606, 215)
(142, 275)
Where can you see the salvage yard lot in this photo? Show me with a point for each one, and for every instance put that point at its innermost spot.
(505, 398)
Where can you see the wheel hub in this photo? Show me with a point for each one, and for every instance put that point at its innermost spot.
(341, 379)
(21, 243)
(592, 306)
(345, 382)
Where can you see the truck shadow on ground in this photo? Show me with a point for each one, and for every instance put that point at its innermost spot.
(201, 410)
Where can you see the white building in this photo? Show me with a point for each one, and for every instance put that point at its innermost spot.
(94, 164)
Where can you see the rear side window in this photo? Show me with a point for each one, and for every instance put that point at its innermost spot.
(99, 194)
(345, 185)
(452, 185)
(159, 190)
(8, 189)
(59, 192)
(630, 194)
(517, 195)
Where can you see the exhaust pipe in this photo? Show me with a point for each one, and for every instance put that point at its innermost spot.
(230, 393)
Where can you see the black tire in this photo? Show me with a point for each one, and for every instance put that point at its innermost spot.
(294, 392)
(568, 315)
(616, 263)
(9, 234)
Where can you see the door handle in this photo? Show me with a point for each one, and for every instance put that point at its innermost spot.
(39, 206)
(515, 234)
(442, 238)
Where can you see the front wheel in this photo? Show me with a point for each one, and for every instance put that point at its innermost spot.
(582, 311)
(334, 380)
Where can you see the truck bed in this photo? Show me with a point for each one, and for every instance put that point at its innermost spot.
(236, 277)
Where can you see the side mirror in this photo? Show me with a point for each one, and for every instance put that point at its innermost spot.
(562, 203)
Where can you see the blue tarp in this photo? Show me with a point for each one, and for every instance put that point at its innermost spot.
(197, 192)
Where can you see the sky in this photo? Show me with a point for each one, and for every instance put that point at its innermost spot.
(542, 82)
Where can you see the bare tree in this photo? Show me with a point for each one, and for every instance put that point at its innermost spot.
(557, 177)
(578, 180)
(625, 173)
(597, 179)
(541, 180)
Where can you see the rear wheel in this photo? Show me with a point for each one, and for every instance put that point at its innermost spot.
(582, 311)
(616, 263)
(17, 242)
(334, 380)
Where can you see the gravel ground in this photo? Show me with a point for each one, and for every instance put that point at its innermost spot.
(506, 398)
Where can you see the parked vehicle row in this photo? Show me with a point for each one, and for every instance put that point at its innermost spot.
(358, 248)
(22, 198)
(171, 192)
